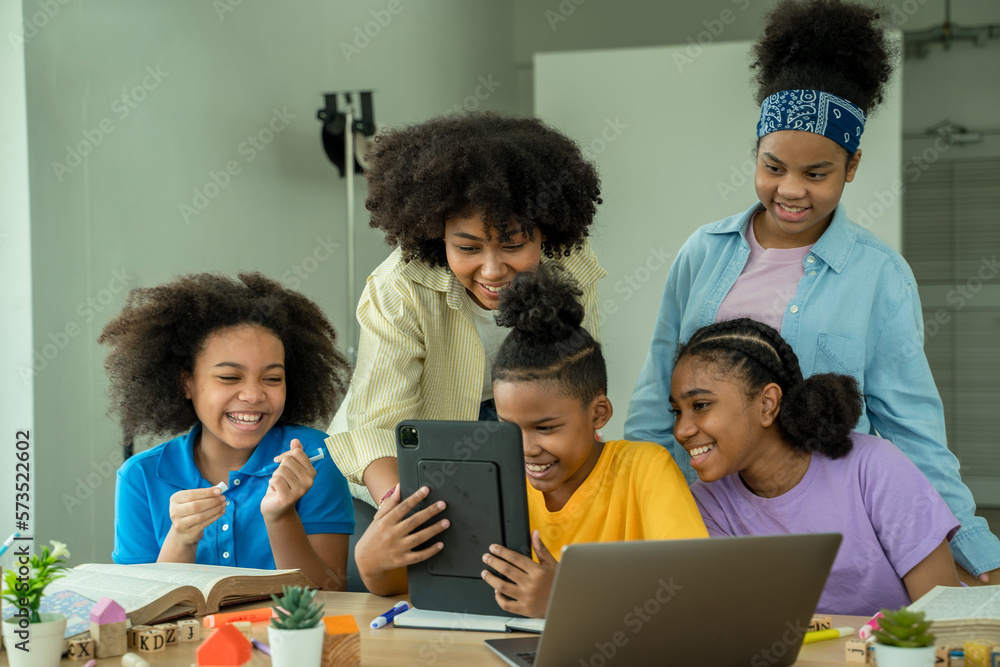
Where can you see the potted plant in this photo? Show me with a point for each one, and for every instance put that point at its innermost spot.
(33, 638)
(296, 635)
(905, 639)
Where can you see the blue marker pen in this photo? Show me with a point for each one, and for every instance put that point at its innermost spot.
(10, 541)
(274, 466)
(385, 618)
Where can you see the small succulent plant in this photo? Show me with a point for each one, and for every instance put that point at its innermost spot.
(904, 628)
(296, 609)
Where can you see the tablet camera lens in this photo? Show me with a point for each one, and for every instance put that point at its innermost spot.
(408, 436)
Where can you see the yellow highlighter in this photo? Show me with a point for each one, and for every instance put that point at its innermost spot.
(833, 633)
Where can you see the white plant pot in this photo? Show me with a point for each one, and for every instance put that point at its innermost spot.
(45, 641)
(899, 656)
(295, 648)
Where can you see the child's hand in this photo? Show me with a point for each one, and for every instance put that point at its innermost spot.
(527, 593)
(191, 511)
(288, 483)
(388, 542)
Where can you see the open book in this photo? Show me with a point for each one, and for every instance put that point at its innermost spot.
(159, 591)
(961, 614)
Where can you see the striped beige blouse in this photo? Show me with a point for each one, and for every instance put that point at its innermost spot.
(420, 356)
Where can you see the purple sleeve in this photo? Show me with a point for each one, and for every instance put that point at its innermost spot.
(711, 511)
(908, 514)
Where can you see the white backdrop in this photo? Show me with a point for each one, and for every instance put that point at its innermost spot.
(671, 131)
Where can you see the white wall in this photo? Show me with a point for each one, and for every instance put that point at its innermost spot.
(16, 399)
(673, 149)
(114, 222)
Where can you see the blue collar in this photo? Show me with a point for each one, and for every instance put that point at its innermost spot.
(834, 247)
(176, 464)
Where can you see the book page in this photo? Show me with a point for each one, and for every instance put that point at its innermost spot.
(130, 592)
(946, 603)
(202, 577)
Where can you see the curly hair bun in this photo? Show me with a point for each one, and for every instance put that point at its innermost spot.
(542, 304)
(829, 45)
(820, 412)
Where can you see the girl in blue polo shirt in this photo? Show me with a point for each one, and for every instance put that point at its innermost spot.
(845, 301)
(238, 364)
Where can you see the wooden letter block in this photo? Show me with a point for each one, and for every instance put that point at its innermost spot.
(109, 638)
(856, 651)
(81, 649)
(245, 628)
(977, 654)
(820, 623)
(170, 630)
(341, 643)
(189, 631)
(133, 635)
(152, 641)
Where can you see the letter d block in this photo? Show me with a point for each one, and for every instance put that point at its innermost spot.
(188, 631)
(152, 641)
(81, 649)
(170, 631)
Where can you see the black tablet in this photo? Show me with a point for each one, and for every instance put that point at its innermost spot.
(477, 468)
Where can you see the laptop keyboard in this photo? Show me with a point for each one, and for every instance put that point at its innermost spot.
(528, 657)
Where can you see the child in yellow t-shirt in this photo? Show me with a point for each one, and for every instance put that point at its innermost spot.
(549, 378)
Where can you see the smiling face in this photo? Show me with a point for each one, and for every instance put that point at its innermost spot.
(799, 179)
(557, 432)
(237, 388)
(714, 420)
(486, 267)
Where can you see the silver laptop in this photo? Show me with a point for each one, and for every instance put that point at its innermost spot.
(715, 601)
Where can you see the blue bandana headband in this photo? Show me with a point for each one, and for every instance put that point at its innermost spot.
(813, 111)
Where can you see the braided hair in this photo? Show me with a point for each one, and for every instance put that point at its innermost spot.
(547, 342)
(817, 413)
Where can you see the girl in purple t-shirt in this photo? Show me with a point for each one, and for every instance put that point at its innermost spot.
(775, 453)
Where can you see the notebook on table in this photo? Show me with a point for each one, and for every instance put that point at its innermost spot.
(713, 601)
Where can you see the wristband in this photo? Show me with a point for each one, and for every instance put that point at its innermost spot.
(386, 496)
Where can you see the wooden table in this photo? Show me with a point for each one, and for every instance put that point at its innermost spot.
(405, 648)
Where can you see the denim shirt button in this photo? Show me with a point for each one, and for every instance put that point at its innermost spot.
(811, 259)
(812, 273)
(794, 309)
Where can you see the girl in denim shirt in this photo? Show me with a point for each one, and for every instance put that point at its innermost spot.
(845, 301)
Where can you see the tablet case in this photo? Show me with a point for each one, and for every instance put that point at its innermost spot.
(477, 468)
